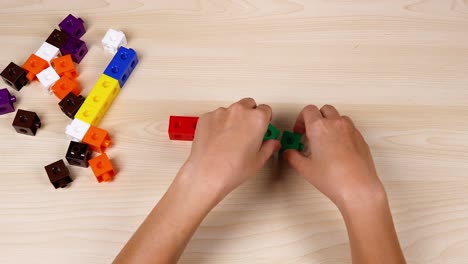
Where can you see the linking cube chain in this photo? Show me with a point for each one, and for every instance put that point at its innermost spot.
(53, 65)
(183, 128)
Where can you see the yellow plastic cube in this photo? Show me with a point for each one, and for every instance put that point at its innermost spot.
(88, 113)
(99, 100)
(107, 85)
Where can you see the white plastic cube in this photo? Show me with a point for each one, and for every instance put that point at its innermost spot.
(47, 78)
(48, 52)
(77, 130)
(113, 40)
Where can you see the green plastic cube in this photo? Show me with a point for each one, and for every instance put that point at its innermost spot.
(271, 133)
(291, 140)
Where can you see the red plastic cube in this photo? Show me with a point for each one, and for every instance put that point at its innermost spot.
(182, 127)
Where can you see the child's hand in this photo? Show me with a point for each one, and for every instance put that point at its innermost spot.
(340, 164)
(227, 148)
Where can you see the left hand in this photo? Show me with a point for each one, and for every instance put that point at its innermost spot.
(228, 148)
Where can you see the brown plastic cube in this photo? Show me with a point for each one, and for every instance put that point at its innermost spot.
(78, 154)
(15, 76)
(57, 38)
(71, 104)
(58, 174)
(26, 122)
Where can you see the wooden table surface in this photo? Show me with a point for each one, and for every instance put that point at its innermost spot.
(399, 68)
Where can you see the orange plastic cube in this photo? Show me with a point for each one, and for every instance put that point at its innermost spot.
(64, 86)
(98, 139)
(64, 66)
(102, 168)
(34, 65)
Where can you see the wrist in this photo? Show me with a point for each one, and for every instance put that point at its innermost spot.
(358, 201)
(197, 182)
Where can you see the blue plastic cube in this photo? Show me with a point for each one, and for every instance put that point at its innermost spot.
(122, 65)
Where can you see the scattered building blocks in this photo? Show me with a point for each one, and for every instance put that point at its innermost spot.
(182, 127)
(64, 86)
(34, 65)
(70, 104)
(64, 66)
(113, 40)
(291, 140)
(76, 48)
(98, 101)
(78, 154)
(47, 78)
(58, 174)
(122, 65)
(26, 122)
(57, 38)
(98, 139)
(102, 168)
(73, 26)
(15, 76)
(271, 133)
(6, 102)
(58, 74)
(77, 130)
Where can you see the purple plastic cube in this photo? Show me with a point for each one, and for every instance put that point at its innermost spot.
(6, 102)
(76, 48)
(73, 26)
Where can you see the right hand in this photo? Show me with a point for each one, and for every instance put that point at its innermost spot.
(340, 164)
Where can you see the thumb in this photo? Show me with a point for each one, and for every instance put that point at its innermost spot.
(266, 151)
(298, 161)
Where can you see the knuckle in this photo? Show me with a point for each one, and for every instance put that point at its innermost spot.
(250, 99)
(341, 123)
(347, 119)
(266, 107)
(326, 106)
(220, 111)
(311, 108)
(237, 107)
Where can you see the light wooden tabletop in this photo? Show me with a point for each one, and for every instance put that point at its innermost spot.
(399, 68)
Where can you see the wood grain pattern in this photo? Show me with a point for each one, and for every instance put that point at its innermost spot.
(399, 68)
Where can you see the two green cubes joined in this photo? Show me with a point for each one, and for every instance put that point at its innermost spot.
(289, 140)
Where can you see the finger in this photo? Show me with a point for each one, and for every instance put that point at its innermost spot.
(267, 150)
(248, 102)
(330, 112)
(298, 161)
(349, 120)
(308, 115)
(266, 109)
